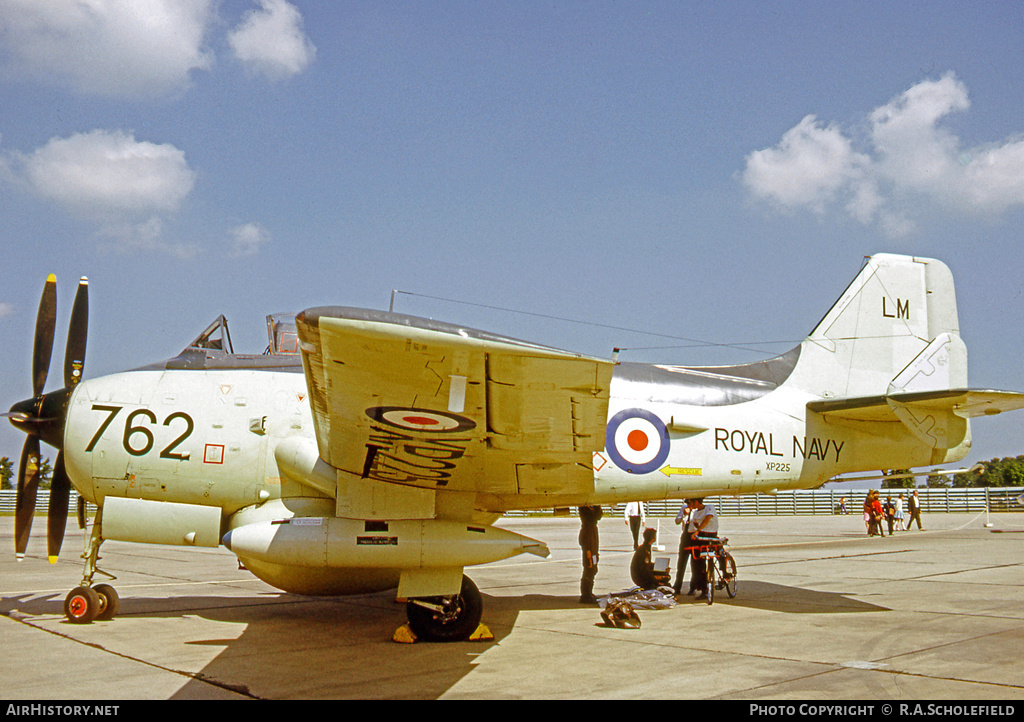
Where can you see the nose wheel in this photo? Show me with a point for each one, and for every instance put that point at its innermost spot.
(91, 604)
(88, 602)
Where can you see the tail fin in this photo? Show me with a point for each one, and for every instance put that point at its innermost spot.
(890, 350)
(870, 342)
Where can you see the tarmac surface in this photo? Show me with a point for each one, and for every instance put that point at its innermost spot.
(822, 613)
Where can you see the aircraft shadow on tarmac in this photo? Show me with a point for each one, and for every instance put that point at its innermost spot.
(343, 649)
(305, 647)
(315, 648)
(794, 600)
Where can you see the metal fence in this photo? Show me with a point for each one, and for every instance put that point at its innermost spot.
(818, 502)
(784, 503)
(9, 498)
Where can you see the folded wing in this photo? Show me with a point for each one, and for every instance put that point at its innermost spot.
(415, 402)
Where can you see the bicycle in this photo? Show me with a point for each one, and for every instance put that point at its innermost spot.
(716, 561)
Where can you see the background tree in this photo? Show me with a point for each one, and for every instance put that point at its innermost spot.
(45, 473)
(902, 482)
(997, 472)
(6, 473)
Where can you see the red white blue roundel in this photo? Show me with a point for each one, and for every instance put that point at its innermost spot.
(420, 419)
(637, 441)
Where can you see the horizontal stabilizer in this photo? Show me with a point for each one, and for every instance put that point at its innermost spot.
(932, 416)
(967, 403)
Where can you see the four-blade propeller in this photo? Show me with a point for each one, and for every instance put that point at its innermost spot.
(42, 418)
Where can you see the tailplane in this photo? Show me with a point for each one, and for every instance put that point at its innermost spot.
(890, 350)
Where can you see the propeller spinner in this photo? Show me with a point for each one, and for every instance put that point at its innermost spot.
(42, 418)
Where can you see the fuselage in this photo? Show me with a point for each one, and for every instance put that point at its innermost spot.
(204, 431)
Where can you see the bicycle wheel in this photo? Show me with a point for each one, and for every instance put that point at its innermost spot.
(729, 574)
(709, 587)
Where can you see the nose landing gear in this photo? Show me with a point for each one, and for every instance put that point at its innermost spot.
(87, 603)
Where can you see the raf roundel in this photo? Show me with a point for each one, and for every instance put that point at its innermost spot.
(420, 419)
(637, 441)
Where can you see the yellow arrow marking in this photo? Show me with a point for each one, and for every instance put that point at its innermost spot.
(679, 471)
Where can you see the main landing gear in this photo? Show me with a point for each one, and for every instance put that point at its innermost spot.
(452, 618)
(92, 603)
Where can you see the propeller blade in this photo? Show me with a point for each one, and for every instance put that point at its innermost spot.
(28, 484)
(46, 320)
(74, 354)
(80, 511)
(57, 512)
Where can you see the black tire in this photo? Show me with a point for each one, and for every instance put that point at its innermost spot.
(110, 603)
(81, 605)
(709, 588)
(459, 619)
(729, 575)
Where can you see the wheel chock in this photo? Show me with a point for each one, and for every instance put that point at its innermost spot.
(404, 635)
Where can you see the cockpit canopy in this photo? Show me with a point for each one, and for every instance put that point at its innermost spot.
(284, 338)
(213, 349)
(281, 332)
(216, 337)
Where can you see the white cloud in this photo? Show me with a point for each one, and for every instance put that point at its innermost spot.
(247, 239)
(103, 173)
(271, 42)
(126, 186)
(910, 164)
(6, 309)
(807, 168)
(122, 48)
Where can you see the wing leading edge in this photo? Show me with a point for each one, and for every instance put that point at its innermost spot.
(415, 402)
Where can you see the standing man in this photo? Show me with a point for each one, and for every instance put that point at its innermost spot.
(683, 518)
(589, 543)
(915, 511)
(634, 516)
(703, 524)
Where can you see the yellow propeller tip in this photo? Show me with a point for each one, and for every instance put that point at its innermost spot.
(53, 560)
(52, 278)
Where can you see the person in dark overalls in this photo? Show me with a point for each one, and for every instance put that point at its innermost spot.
(589, 543)
(683, 518)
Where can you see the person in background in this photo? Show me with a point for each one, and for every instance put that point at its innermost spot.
(900, 526)
(867, 513)
(914, 505)
(634, 516)
(641, 568)
(890, 512)
(877, 514)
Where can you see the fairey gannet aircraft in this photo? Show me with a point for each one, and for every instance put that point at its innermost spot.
(369, 450)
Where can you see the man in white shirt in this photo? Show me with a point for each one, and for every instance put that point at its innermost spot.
(634, 516)
(703, 524)
(703, 519)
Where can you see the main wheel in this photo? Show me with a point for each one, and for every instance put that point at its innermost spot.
(109, 602)
(729, 575)
(81, 605)
(710, 585)
(447, 619)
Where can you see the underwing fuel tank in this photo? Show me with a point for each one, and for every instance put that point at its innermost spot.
(321, 542)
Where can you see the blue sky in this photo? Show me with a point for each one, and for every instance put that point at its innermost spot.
(712, 172)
